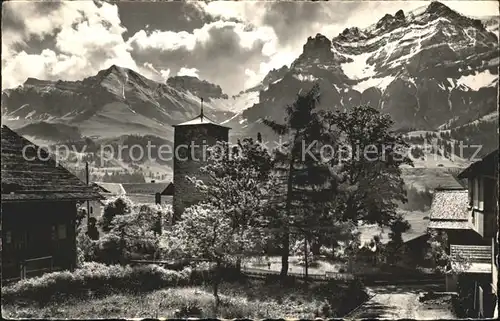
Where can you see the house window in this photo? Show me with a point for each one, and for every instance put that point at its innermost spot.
(61, 231)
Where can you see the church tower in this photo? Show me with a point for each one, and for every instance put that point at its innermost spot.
(191, 139)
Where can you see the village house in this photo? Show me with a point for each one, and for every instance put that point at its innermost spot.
(469, 218)
(106, 190)
(149, 193)
(482, 177)
(39, 208)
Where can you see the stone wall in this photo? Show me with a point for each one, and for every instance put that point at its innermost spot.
(187, 163)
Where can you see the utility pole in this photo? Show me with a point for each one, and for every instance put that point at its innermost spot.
(88, 183)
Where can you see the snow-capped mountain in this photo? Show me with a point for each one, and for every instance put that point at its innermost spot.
(114, 102)
(430, 69)
(424, 68)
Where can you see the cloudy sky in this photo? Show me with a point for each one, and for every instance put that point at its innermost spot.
(233, 44)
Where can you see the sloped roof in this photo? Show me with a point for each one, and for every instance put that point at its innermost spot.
(472, 253)
(200, 120)
(148, 199)
(112, 188)
(100, 188)
(35, 175)
(169, 190)
(487, 166)
(451, 205)
(451, 225)
(144, 188)
(471, 258)
(418, 227)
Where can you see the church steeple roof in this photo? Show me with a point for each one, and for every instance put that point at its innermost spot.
(201, 119)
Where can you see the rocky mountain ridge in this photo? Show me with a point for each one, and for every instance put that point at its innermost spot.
(430, 69)
(425, 68)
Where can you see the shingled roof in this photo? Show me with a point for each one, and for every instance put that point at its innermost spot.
(200, 120)
(477, 257)
(449, 210)
(111, 188)
(145, 188)
(36, 176)
(487, 166)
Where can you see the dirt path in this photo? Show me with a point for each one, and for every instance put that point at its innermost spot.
(392, 302)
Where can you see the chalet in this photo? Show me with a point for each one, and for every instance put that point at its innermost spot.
(482, 177)
(39, 207)
(449, 212)
(469, 218)
(107, 190)
(110, 189)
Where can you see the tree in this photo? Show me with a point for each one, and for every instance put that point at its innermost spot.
(368, 182)
(439, 253)
(239, 183)
(205, 232)
(300, 205)
(134, 233)
(398, 227)
(118, 206)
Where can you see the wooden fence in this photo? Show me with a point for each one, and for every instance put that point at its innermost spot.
(258, 272)
(367, 279)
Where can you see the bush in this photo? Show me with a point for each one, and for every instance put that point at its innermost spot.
(99, 279)
(118, 206)
(189, 310)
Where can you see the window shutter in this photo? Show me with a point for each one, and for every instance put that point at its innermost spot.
(475, 192)
(481, 193)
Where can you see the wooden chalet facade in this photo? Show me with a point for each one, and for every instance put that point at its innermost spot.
(482, 177)
(469, 218)
(39, 207)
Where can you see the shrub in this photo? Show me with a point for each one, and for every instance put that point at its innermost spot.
(118, 206)
(98, 278)
(189, 310)
(326, 310)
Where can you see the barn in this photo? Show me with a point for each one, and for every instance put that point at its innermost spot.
(39, 208)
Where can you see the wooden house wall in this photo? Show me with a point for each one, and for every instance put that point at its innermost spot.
(38, 229)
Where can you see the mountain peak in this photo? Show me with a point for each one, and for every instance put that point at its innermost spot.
(438, 7)
(319, 43)
(196, 86)
(113, 69)
(389, 22)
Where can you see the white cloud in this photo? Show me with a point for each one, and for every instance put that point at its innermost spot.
(170, 41)
(165, 73)
(252, 78)
(151, 72)
(87, 39)
(164, 40)
(192, 72)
